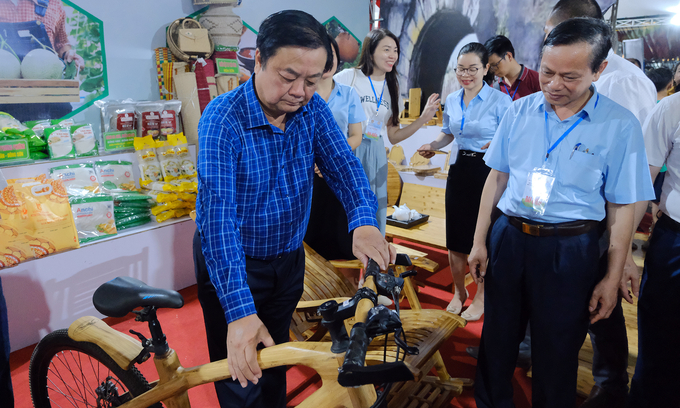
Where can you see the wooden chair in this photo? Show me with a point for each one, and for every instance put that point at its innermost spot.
(426, 329)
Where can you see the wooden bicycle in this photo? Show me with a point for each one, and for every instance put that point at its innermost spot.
(93, 365)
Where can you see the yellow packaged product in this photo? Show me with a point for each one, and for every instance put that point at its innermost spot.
(14, 249)
(165, 215)
(161, 186)
(189, 204)
(162, 197)
(166, 206)
(182, 212)
(149, 166)
(170, 165)
(187, 197)
(44, 220)
(181, 147)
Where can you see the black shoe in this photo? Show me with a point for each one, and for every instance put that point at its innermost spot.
(599, 398)
(523, 358)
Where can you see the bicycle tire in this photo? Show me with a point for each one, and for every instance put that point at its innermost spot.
(77, 374)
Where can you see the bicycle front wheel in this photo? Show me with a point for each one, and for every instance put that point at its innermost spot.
(68, 373)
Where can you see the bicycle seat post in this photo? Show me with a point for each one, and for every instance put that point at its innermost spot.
(158, 339)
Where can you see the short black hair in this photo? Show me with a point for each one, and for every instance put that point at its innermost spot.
(292, 28)
(566, 9)
(499, 45)
(635, 61)
(479, 50)
(594, 32)
(661, 77)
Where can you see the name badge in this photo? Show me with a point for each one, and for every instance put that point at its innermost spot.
(537, 191)
(373, 129)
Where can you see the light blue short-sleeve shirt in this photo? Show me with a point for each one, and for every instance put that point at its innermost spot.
(346, 106)
(601, 159)
(482, 117)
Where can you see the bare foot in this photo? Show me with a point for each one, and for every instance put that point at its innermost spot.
(456, 304)
(475, 311)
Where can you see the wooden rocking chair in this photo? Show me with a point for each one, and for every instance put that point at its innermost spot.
(426, 329)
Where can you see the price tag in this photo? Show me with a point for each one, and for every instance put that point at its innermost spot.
(13, 150)
(119, 140)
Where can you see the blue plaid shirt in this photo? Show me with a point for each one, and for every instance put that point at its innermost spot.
(255, 186)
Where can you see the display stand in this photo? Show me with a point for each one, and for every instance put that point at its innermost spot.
(47, 294)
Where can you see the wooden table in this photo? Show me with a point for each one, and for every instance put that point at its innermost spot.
(431, 233)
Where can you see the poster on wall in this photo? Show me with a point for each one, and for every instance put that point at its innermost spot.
(52, 59)
(432, 33)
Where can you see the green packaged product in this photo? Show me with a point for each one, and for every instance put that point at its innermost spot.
(132, 218)
(38, 155)
(38, 126)
(134, 204)
(84, 140)
(59, 142)
(136, 223)
(34, 141)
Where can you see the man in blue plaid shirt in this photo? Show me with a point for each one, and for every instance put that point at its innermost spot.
(257, 149)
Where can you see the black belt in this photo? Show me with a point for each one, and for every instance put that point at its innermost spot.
(669, 223)
(470, 153)
(565, 229)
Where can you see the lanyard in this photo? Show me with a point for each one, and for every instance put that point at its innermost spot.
(547, 134)
(519, 81)
(376, 95)
(462, 108)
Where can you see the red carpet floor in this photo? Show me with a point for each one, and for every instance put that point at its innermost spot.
(186, 334)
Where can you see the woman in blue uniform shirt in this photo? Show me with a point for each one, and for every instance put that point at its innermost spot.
(327, 230)
(471, 117)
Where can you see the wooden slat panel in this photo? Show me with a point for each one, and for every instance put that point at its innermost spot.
(38, 83)
(424, 199)
(39, 99)
(14, 92)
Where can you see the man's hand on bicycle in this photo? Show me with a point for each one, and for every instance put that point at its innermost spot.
(243, 336)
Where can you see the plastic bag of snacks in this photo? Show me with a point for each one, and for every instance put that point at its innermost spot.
(40, 213)
(38, 126)
(170, 123)
(169, 164)
(119, 124)
(115, 176)
(78, 179)
(189, 185)
(149, 118)
(59, 142)
(14, 249)
(149, 167)
(94, 217)
(162, 186)
(84, 140)
(173, 205)
(162, 197)
(63, 122)
(133, 221)
(186, 162)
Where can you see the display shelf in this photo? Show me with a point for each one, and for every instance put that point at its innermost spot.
(25, 163)
(138, 229)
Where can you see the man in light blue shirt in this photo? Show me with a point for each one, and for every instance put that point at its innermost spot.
(559, 160)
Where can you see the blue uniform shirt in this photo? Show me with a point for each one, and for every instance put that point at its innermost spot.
(609, 164)
(255, 185)
(346, 106)
(482, 117)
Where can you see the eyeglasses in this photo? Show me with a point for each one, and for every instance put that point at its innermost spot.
(470, 71)
(494, 66)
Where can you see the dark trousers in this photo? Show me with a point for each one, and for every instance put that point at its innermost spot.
(548, 280)
(609, 338)
(6, 394)
(276, 287)
(656, 382)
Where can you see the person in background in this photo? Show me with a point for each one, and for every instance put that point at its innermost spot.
(376, 81)
(635, 62)
(6, 393)
(627, 85)
(656, 378)
(663, 81)
(471, 117)
(559, 159)
(514, 78)
(327, 231)
(676, 78)
(259, 144)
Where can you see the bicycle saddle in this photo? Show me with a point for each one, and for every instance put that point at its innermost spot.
(121, 295)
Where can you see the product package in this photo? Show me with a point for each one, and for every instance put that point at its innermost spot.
(59, 142)
(189, 185)
(149, 167)
(63, 122)
(132, 209)
(149, 118)
(78, 179)
(189, 197)
(186, 162)
(162, 197)
(119, 124)
(173, 205)
(133, 221)
(40, 214)
(170, 165)
(162, 186)
(170, 119)
(94, 217)
(115, 176)
(84, 140)
(38, 126)
(14, 249)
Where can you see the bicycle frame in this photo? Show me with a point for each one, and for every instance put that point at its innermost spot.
(175, 380)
